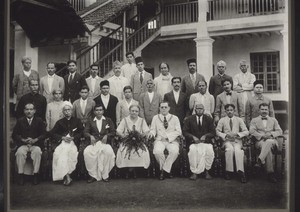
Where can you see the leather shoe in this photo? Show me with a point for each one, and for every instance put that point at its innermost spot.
(105, 180)
(170, 175)
(91, 180)
(161, 176)
(207, 175)
(272, 178)
(35, 179)
(21, 179)
(243, 177)
(227, 176)
(258, 165)
(193, 176)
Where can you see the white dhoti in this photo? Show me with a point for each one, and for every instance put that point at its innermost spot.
(158, 151)
(201, 156)
(64, 160)
(99, 160)
(142, 159)
(266, 155)
(35, 154)
(234, 148)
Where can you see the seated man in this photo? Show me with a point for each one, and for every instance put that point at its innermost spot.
(265, 129)
(66, 131)
(28, 133)
(232, 129)
(99, 157)
(165, 127)
(199, 130)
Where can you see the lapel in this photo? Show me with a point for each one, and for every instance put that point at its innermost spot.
(147, 99)
(88, 82)
(104, 122)
(180, 99)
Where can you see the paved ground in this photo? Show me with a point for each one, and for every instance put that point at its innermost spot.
(143, 193)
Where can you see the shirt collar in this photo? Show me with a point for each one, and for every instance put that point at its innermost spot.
(102, 118)
(257, 97)
(221, 75)
(50, 76)
(193, 75)
(96, 77)
(177, 92)
(107, 96)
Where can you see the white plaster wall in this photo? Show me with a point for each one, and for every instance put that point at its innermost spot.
(57, 54)
(232, 51)
(175, 54)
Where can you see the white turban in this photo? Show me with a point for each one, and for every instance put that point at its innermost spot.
(221, 63)
(67, 103)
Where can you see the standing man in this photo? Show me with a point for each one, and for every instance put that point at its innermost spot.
(198, 130)
(177, 100)
(265, 129)
(29, 133)
(204, 98)
(232, 129)
(21, 80)
(99, 156)
(243, 82)
(83, 107)
(149, 102)
(139, 80)
(51, 82)
(252, 104)
(73, 82)
(228, 97)
(66, 132)
(166, 129)
(108, 101)
(129, 69)
(190, 81)
(93, 81)
(117, 82)
(34, 97)
(215, 86)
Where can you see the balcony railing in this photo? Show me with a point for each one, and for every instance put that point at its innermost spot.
(77, 4)
(180, 13)
(227, 9)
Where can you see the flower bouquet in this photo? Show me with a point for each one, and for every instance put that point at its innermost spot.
(133, 142)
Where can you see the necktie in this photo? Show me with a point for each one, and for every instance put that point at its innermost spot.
(230, 123)
(228, 94)
(29, 121)
(71, 78)
(199, 122)
(165, 123)
(193, 80)
(141, 77)
(133, 127)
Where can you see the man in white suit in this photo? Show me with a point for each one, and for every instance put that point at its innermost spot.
(232, 129)
(51, 82)
(265, 129)
(138, 81)
(166, 129)
(117, 82)
(93, 81)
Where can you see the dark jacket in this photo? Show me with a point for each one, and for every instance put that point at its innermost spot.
(72, 89)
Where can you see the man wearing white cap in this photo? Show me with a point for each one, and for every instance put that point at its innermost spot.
(67, 132)
(243, 82)
(215, 85)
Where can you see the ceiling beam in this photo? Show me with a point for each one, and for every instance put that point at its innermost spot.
(40, 4)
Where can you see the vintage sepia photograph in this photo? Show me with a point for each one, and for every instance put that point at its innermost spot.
(156, 105)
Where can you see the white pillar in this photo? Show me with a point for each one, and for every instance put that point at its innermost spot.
(204, 43)
(23, 48)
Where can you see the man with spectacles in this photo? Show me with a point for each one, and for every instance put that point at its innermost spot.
(166, 129)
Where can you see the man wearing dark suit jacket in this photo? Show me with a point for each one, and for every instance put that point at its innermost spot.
(108, 101)
(198, 130)
(29, 133)
(190, 81)
(73, 82)
(177, 100)
(99, 131)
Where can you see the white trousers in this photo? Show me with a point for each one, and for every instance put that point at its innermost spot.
(99, 160)
(21, 156)
(201, 156)
(234, 148)
(158, 151)
(266, 155)
(64, 160)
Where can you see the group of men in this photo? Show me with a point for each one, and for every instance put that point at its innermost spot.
(226, 109)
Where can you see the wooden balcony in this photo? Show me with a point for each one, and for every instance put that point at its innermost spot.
(77, 4)
(220, 10)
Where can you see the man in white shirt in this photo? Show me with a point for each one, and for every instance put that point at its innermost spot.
(51, 82)
(117, 82)
(93, 81)
(149, 102)
(128, 69)
(204, 98)
(243, 82)
(166, 129)
(232, 129)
